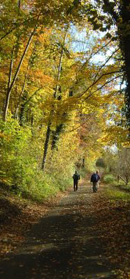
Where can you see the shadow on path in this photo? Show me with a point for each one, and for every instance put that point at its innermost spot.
(61, 245)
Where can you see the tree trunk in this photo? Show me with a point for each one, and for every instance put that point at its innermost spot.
(9, 82)
(24, 105)
(56, 135)
(83, 163)
(58, 74)
(19, 4)
(122, 21)
(59, 127)
(46, 145)
(126, 179)
(124, 34)
(24, 82)
(48, 133)
(16, 75)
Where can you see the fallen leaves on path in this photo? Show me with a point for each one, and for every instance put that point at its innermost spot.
(17, 217)
(93, 214)
(112, 225)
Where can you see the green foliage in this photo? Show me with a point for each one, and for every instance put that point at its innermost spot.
(40, 187)
(14, 141)
(108, 178)
(19, 161)
(83, 172)
(117, 194)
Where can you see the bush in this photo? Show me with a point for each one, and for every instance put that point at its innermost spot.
(117, 194)
(108, 178)
(20, 163)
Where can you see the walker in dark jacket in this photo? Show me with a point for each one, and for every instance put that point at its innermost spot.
(76, 178)
(94, 179)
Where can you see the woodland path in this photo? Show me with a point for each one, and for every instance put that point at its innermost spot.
(66, 243)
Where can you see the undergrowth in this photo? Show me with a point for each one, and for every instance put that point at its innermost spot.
(116, 193)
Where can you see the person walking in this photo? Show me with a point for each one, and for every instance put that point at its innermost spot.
(76, 178)
(95, 177)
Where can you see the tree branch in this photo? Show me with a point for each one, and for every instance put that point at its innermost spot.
(102, 86)
(32, 96)
(17, 25)
(114, 72)
(105, 62)
(92, 54)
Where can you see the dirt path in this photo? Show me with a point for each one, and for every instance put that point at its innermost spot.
(67, 243)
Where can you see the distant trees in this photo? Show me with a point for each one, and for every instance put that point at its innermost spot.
(116, 162)
(123, 164)
(100, 163)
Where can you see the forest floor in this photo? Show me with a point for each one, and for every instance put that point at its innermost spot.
(81, 235)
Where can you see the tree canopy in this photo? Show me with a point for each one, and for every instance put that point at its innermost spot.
(65, 87)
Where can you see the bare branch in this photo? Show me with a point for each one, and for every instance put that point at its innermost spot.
(6, 34)
(114, 72)
(105, 62)
(102, 86)
(94, 53)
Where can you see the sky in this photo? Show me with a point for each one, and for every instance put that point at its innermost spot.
(84, 40)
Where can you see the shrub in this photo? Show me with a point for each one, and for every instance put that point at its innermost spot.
(20, 163)
(108, 178)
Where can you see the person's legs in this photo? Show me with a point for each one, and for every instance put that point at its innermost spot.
(94, 187)
(76, 185)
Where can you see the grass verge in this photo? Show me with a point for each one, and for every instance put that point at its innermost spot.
(118, 193)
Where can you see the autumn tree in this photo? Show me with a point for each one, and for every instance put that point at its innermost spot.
(60, 105)
(112, 17)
